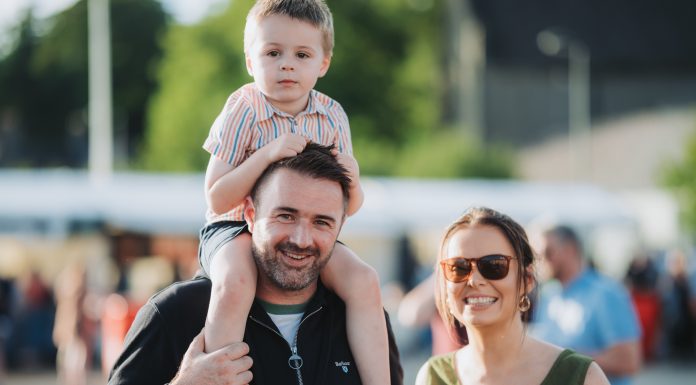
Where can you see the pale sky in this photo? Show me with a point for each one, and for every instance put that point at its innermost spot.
(184, 11)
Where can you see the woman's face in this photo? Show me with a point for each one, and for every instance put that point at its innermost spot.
(479, 302)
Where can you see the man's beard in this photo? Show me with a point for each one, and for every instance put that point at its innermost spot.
(286, 277)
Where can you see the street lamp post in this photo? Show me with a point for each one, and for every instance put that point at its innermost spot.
(579, 120)
(100, 150)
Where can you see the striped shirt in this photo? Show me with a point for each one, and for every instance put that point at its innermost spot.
(248, 121)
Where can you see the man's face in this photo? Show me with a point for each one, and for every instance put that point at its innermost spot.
(554, 252)
(294, 228)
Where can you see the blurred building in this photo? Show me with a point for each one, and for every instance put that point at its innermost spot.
(641, 84)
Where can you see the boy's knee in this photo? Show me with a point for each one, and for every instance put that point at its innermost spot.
(366, 279)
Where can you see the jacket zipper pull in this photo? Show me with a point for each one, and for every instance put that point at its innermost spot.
(295, 361)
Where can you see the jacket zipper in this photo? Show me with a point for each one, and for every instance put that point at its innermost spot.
(294, 357)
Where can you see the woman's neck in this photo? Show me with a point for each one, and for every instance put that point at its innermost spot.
(492, 350)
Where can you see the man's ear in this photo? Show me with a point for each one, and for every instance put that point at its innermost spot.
(249, 213)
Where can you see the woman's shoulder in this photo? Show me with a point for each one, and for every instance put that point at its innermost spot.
(438, 370)
(569, 368)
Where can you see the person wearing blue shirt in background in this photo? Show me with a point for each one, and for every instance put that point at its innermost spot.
(586, 311)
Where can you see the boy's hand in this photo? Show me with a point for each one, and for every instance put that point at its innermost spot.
(350, 164)
(285, 146)
(228, 366)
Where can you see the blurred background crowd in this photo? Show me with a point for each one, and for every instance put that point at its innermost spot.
(575, 112)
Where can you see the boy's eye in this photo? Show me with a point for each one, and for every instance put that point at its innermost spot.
(273, 53)
(302, 55)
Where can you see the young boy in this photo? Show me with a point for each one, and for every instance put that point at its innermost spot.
(288, 46)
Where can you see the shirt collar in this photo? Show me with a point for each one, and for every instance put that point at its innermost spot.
(578, 282)
(314, 106)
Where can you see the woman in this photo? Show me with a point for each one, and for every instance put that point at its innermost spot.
(483, 280)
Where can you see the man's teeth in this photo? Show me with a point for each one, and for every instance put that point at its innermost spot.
(478, 300)
(295, 256)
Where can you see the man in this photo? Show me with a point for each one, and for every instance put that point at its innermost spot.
(586, 311)
(296, 330)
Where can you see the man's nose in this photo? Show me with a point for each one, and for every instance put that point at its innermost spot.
(301, 235)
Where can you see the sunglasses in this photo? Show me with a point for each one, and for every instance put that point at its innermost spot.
(493, 267)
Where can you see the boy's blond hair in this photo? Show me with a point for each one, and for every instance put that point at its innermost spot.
(314, 12)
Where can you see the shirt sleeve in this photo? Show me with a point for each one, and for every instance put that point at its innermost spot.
(147, 357)
(342, 139)
(618, 321)
(230, 135)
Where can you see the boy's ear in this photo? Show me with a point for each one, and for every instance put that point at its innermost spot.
(249, 68)
(249, 213)
(325, 63)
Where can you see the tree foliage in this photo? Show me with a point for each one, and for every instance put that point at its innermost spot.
(44, 82)
(680, 176)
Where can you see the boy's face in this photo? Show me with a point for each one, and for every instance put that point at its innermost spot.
(286, 58)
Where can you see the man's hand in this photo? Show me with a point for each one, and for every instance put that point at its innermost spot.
(285, 146)
(227, 366)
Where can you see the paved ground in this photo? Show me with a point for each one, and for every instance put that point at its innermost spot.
(655, 374)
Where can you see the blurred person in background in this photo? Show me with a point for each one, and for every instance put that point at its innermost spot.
(677, 312)
(8, 303)
(417, 309)
(483, 282)
(30, 345)
(74, 347)
(586, 311)
(641, 278)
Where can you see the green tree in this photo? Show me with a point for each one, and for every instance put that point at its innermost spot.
(680, 176)
(201, 66)
(44, 80)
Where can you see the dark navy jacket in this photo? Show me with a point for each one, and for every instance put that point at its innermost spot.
(166, 325)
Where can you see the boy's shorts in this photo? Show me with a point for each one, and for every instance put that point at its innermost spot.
(215, 235)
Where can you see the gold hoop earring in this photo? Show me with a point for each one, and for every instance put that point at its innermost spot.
(524, 304)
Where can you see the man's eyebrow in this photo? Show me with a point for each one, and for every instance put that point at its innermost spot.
(326, 218)
(287, 209)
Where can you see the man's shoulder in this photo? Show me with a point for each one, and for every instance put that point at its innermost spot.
(192, 295)
(604, 284)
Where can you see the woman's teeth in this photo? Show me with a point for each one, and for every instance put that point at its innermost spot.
(479, 300)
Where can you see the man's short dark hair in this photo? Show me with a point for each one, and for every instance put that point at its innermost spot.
(315, 161)
(567, 236)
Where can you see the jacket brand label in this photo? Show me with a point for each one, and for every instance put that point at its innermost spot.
(344, 365)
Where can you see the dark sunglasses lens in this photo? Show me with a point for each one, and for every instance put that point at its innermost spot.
(457, 271)
(493, 266)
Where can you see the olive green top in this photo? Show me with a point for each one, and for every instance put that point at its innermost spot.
(569, 368)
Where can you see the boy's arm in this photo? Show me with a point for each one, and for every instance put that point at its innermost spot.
(226, 186)
(357, 197)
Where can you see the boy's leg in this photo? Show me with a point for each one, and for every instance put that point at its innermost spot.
(233, 274)
(357, 284)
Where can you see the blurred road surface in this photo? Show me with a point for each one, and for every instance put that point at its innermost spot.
(654, 374)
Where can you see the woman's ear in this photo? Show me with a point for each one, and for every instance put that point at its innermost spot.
(530, 279)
